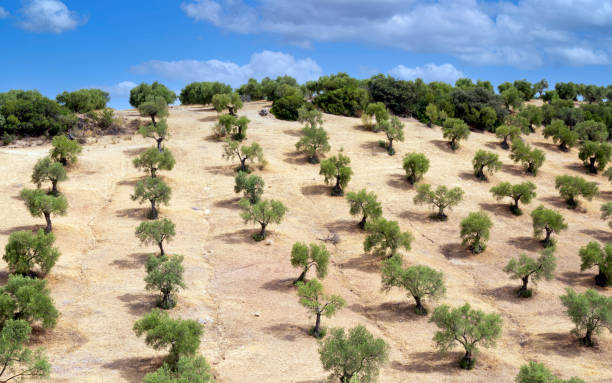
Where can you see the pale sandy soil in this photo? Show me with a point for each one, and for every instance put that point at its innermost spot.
(98, 283)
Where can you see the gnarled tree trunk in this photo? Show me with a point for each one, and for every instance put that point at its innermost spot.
(49, 227)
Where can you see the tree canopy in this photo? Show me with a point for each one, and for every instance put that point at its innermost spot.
(47, 170)
(84, 100)
(571, 187)
(415, 165)
(385, 238)
(156, 232)
(145, 92)
(336, 168)
(440, 198)
(202, 92)
(152, 160)
(264, 212)
(27, 299)
(594, 255)
(318, 303)
(16, 360)
(64, 150)
(307, 256)
(523, 192)
(525, 267)
(475, 231)
(26, 250)
(455, 130)
(547, 221)
(40, 204)
(366, 204)
(165, 274)
(153, 190)
(590, 312)
(485, 162)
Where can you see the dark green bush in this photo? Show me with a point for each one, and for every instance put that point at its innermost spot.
(84, 100)
(286, 108)
(202, 92)
(348, 101)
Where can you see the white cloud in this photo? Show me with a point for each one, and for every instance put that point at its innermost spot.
(428, 73)
(49, 16)
(3, 13)
(262, 64)
(121, 89)
(527, 33)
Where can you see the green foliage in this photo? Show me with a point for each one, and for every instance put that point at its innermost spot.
(263, 212)
(40, 204)
(187, 370)
(538, 373)
(252, 154)
(156, 232)
(547, 221)
(313, 142)
(25, 250)
(153, 190)
(532, 159)
(595, 155)
(27, 299)
(415, 165)
(408, 98)
(288, 107)
(592, 131)
(471, 105)
(561, 134)
(29, 113)
(64, 150)
(145, 92)
(252, 90)
(104, 119)
(165, 274)
(376, 110)
(157, 131)
(394, 130)
(454, 130)
(236, 126)
(440, 198)
(475, 231)
(525, 267)
(48, 170)
(512, 98)
(345, 101)
(485, 161)
(540, 86)
(152, 160)
(305, 257)
(354, 358)
(229, 101)
(202, 92)
(434, 114)
(589, 311)
(467, 327)
(318, 303)
(251, 185)
(420, 282)
(533, 115)
(524, 87)
(523, 192)
(366, 204)
(567, 90)
(336, 169)
(593, 255)
(507, 132)
(385, 238)
(182, 336)
(16, 361)
(153, 108)
(282, 86)
(310, 116)
(606, 211)
(84, 100)
(571, 187)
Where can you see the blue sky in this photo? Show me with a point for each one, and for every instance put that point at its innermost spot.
(54, 45)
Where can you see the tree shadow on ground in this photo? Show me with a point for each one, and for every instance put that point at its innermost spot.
(134, 151)
(578, 167)
(494, 145)
(598, 234)
(362, 127)
(498, 209)
(548, 146)
(225, 170)
(515, 170)
(208, 119)
(345, 225)
(293, 132)
(430, 362)
(563, 344)
(366, 263)
(286, 331)
(296, 158)
(416, 216)
(134, 369)
(240, 236)
(443, 145)
(33, 228)
(388, 311)
(138, 213)
(505, 293)
(454, 250)
(525, 243)
(372, 146)
(135, 261)
(469, 176)
(230, 203)
(399, 181)
(130, 182)
(316, 190)
(138, 304)
(282, 285)
(584, 279)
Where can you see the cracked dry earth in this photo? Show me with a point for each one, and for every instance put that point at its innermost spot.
(255, 330)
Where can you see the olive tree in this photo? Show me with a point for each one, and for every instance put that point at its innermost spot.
(507, 132)
(229, 101)
(353, 358)
(547, 221)
(485, 160)
(264, 213)
(592, 131)
(434, 114)
(594, 255)
(316, 301)
(305, 257)
(385, 238)
(27, 299)
(159, 132)
(336, 169)
(523, 192)
(415, 165)
(441, 198)
(468, 327)
(538, 373)
(25, 250)
(145, 92)
(314, 142)
(595, 155)
(16, 360)
(512, 98)
(187, 370)
(64, 150)
(253, 154)
(420, 282)
(455, 130)
(40, 204)
(48, 170)
(561, 134)
(153, 190)
(394, 130)
(229, 124)
(154, 107)
(475, 231)
(165, 274)
(571, 187)
(310, 117)
(525, 267)
(156, 232)
(366, 204)
(376, 110)
(251, 185)
(589, 311)
(161, 332)
(532, 159)
(606, 211)
(152, 160)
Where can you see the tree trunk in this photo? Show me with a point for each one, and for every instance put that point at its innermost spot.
(547, 238)
(480, 173)
(601, 279)
(429, 124)
(516, 203)
(54, 187)
(262, 233)
(563, 146)
(166, 302)
(390, 149)
(243, 167)
(317, 329)
(419, 309)
(231, 110)
(153, 214)
(467, 360)
(49, 227)
(441, 214)
(301, 277)
(159, 144)
(153, 120)
(161, 248)
(588, 340)
(337, 191)
(525, 280)
(592, 167)
(504, 143)
(363, 222)
(153, 172)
